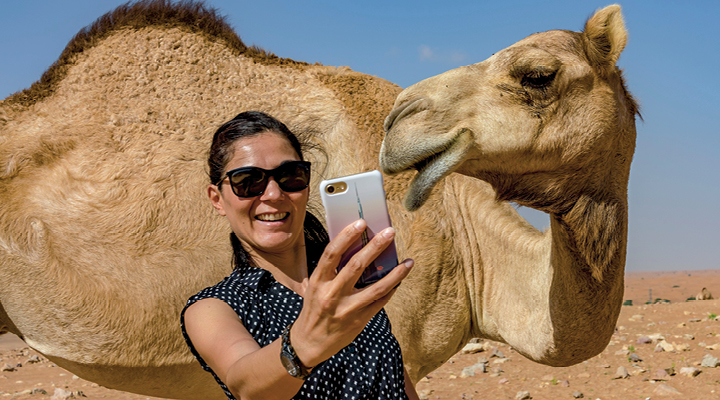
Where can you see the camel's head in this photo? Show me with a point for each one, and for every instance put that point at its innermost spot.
(528, 118)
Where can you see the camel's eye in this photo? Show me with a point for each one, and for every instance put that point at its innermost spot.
(538, 79)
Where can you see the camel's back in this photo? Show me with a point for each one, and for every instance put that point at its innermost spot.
(103, 177)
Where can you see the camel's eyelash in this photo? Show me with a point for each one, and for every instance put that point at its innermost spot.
(537, 79)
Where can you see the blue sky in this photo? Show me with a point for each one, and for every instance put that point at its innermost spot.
(670, 65)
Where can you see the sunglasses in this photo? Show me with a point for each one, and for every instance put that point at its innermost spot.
(292, 176)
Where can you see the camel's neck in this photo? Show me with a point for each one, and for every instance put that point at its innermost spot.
(557, 280)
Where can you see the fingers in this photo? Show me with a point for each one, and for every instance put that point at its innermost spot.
(377, 295)
(328, 263)
(356, 266)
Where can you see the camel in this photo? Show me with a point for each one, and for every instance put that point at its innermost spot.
(546, 123)
(704, 295)
(106, 229)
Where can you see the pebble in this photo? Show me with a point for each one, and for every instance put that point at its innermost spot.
(33, 359)
(665, 390)
(61, 394)
(8, 368)
(467, 372)
(578, 395)
(621, 373)
(643, 340)
(667, 346)
(690, 371)
(709, 361)
(635, 358)
(660, 375)
(472, 348)
(503, 381)
(523, 395)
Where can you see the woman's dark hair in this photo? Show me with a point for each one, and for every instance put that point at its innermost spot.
(245, 125)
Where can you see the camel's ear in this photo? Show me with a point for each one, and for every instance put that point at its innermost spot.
(605, 38)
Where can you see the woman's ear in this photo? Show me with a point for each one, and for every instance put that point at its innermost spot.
(216, 199)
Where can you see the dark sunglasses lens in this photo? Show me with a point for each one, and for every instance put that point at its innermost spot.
(249, 182)
(293, 177)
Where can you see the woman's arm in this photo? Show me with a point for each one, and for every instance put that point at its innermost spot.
(248, 370)
(410, 388)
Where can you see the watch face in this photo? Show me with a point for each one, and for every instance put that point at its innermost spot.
(289, 364)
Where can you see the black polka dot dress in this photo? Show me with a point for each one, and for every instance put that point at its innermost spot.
(368, 368)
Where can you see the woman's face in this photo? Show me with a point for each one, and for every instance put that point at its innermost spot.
(273, 221)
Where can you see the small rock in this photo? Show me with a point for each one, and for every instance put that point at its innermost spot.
(682, 347)
(547, 378)
(467, 372)
(496, 370)
(665, 390)
(688, 336)
(33, 359)
(713, 346)
(656, 337)
(621, 373)
(666, 346)
(636, 318)
(425, 394)
(501, 361)
(503, 381)
(472, 348)
(583, 375)
(523, 395)
(482, 367)
(622, 352)
(634, 358)
(709, 361)
(690, 371)
(7, 368)
(578, 395)
(38, 391)
(61, 394)
(660, 375)
(565, 383)
(694, 320)
(643, 340)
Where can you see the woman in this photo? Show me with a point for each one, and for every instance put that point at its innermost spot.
(285, 324)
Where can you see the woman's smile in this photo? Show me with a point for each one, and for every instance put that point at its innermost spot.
(272, 217)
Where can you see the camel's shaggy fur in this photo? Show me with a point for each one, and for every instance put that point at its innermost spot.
(106, 228)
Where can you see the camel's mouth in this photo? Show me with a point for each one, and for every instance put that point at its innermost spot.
(435, 167)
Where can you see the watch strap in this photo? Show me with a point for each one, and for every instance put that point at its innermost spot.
(291, 362)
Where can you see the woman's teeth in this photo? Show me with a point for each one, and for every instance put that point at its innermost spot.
(272, 217)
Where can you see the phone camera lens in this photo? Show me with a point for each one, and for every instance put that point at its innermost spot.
(330, 189)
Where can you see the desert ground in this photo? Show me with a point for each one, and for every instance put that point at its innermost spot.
(666, 349)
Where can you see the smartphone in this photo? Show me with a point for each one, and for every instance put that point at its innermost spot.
(349, 198)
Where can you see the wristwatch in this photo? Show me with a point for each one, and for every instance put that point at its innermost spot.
(289, 359)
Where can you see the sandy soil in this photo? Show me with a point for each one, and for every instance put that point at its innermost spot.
(683, 324)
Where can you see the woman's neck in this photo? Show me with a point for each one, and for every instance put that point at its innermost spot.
(289, 268)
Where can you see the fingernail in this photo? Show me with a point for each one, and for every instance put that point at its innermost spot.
(409, 263)
(388, 233)
(359, 225)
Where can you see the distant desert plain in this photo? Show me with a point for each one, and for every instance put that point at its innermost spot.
(667, 349)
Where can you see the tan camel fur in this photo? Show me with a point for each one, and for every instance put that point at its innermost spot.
(546, 123)
(107, 230)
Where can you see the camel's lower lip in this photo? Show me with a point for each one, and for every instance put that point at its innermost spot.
(434, 168)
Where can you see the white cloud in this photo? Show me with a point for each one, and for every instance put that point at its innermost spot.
(426, 53)
(454, 57)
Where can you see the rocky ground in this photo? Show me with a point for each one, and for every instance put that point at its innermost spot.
(668, 349)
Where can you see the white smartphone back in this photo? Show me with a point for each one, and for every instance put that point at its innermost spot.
(349, 198)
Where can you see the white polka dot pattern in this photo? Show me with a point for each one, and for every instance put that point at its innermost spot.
(369, 368)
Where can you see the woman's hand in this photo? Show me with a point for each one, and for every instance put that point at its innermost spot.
(334, 311)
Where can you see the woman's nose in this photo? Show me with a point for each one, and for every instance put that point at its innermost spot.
(272, 190)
